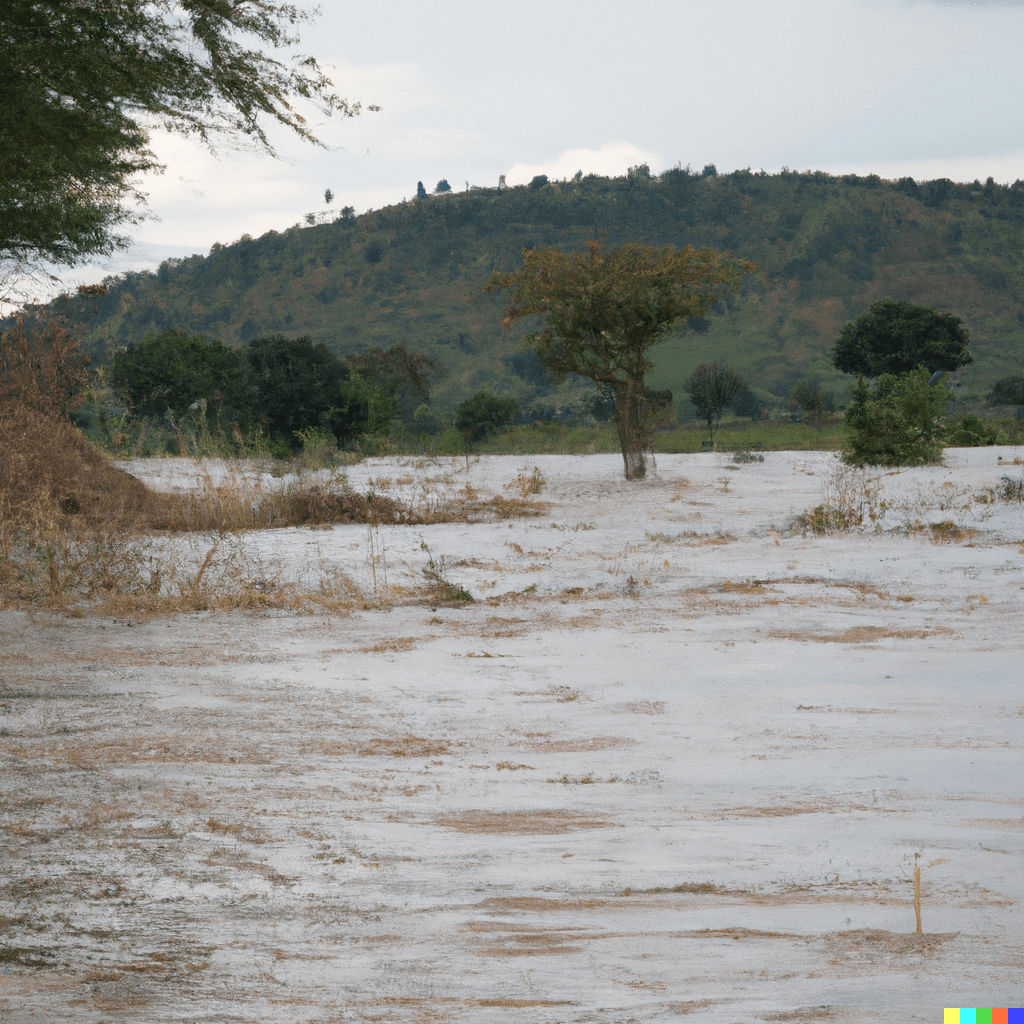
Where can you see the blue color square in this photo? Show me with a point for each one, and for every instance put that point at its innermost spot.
(1016, 1015)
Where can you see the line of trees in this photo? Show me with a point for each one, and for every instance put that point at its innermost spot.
(284, 386)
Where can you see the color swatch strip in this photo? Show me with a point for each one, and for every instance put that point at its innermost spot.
(979, 1015)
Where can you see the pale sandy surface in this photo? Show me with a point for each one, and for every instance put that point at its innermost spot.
(415, 813)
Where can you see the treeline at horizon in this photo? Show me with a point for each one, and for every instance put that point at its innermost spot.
(826, 248)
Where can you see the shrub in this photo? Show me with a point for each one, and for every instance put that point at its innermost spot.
(970, 431)
(42, 365)
(484, 414)
(896, 422)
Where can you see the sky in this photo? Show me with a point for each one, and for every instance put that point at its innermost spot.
(471, 91)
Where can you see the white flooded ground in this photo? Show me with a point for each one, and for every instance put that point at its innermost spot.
(674, 761)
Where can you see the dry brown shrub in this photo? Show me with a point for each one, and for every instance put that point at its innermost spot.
(42, 365)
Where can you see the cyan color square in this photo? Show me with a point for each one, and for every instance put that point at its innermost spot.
(968, 1015)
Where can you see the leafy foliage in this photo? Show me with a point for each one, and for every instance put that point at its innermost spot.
(895, 337)
(83, 83)
(295, 384)
(970, 431)
(711, 387)
(484, 414)
(171, 370)
(603, 309)
(895, 422)
(1008, 391)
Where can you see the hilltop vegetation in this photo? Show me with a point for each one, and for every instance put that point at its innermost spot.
(826, 248)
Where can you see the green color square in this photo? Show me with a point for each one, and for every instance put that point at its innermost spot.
(983, 1016)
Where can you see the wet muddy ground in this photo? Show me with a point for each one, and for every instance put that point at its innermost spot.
(674, 761)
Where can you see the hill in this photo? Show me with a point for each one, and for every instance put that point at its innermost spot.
(826, 248)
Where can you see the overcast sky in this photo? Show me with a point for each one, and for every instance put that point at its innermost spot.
(472, 90)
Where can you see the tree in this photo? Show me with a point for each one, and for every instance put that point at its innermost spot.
(296, 384)
(168, 372)
(421, 192)
(443, 186)
(813, 400)
(84, 84)
(399, 379)
(711, 387)
(484, 414)
(604, 308)
(897, 422)
(1007, 391)
(896, 337)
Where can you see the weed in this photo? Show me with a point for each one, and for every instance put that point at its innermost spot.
(742, 455)
(948, 532)
(440, 589)
(850, 497)
(1012, 490)
(527, 485)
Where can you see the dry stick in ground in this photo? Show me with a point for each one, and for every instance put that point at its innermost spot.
(917, 891)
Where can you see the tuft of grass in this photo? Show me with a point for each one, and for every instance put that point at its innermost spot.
(440, 589)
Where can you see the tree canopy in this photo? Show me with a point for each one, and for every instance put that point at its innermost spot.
(84, 84)
(168, 372)
(711, 387)
(603, 309)
(896, 337)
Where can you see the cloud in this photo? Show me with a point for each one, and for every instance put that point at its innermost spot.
(612, 159)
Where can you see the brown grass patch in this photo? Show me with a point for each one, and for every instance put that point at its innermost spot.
(538, 904)
(644, 707)
(398, 643)
(528, 823)
(872, 943)
(405, 746)
(524, 1003)
(948, 532)
(861, 635)
(570, 746)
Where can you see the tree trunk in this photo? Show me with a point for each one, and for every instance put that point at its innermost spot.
(632, 435)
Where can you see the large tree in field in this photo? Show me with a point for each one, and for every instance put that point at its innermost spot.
(896, 337)
(603, 309)
(84, 82)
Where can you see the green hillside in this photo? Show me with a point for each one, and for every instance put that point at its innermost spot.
(827, 247)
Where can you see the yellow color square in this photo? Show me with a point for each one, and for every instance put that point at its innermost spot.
(951, 1016)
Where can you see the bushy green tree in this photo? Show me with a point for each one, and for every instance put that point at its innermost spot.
(895, 422)
(711, 387)
(484, 414)
(1007, 391)
(895, 337)
(970, 431)
(172, 370)
(400, 380)
(84, 83)
(295, 384)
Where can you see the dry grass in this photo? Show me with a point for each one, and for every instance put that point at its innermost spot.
(528, 823)
(861, 635)
(78, 534)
